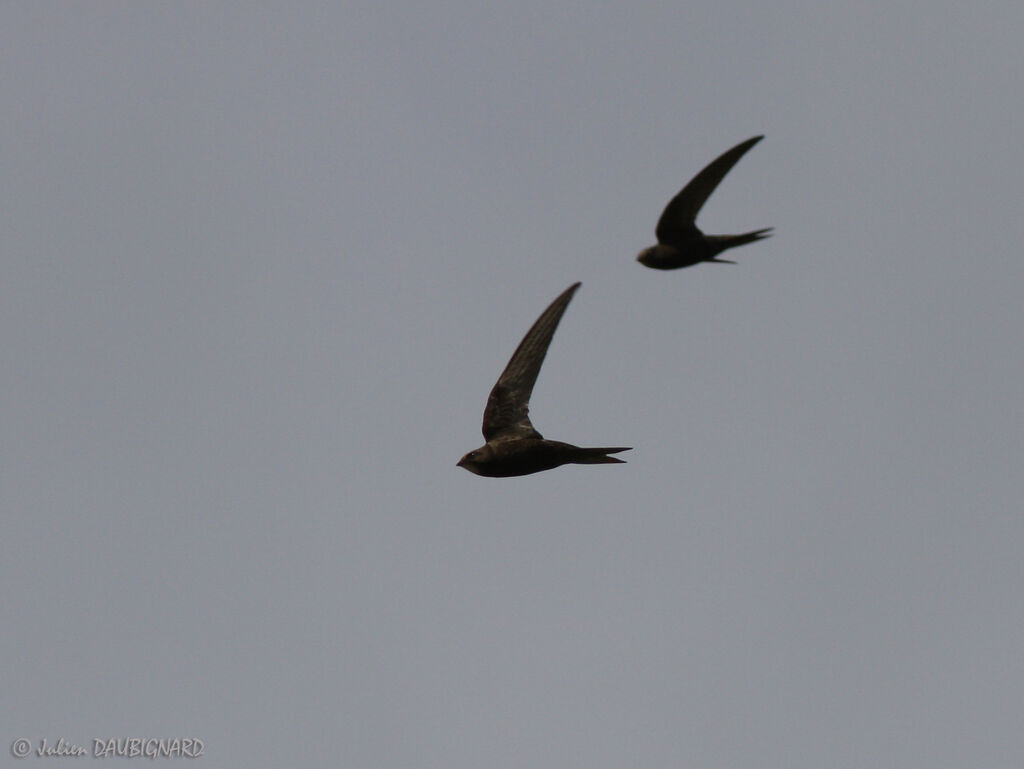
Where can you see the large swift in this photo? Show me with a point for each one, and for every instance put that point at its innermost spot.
(514, 447)
(680, 243)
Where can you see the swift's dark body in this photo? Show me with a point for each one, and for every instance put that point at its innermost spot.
(514, 447)
(680, 243)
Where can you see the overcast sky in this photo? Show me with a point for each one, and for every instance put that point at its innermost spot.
(263, 263)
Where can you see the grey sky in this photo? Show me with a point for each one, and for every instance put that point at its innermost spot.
(263, 264)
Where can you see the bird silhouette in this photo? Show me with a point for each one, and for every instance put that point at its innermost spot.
(514, 447)
(680, 243)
